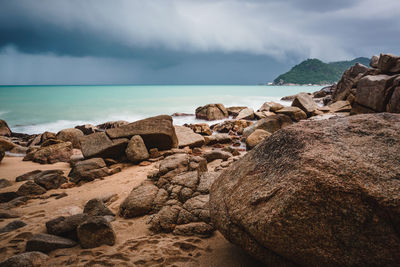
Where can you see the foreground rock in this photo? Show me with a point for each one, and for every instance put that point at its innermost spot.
(27, 259)
(211, 112)
(66, 226)
(71, 135)
(4, 129)
(156, 132)
(136, 150)
(256, 137)
(94, 232)
(305, 102)
(295, 113)
(51, 179)
(89, 170)
(186, 137)
(2, 154)
(46, 243)
(270, 124)
(51, 154)
(100, 145)
(316, 194)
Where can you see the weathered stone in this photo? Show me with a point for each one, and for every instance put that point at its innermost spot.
(46, 243)
(227, 126)
(339, 106)
(374, 61)
(318, 193)
(14, 225)
(20, 150)
(51, 154)
(200, 128)
(112, 124)
(246, 114)
(195, 228)
(271, 106)
(51, 179)
(270, 124)
(4, 183)
(5, 144)
(306, 103)
(263, 114)
(373, 92)
(7, 196)
(295, 113)
(217, 139)
(348, 81)
(87, 129)
(165, 220)
(216, 154)
(71, 135)
(50, 142)
(66, 226)
(186, 137)
(140, 200)
(389, 64)
(30, 188)
(394, 102)
(327, 90)
(100, 145)
(94, 232)
(256, 137)
(2, 154)
(136, 150)
(27, 259)
(211, 112)
(4, 129)
(199, 207)
(88, 170)
(95, 207)
(27, 176)
(234, 111)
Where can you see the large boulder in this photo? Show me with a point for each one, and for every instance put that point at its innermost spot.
(46, 243)
(6, 145)
(270, 124)
(50, 179)
(271, 106)
(4, 129)
(100, 145)
(186, 137)
(136, 150)
(246, 114)
(51, 154)
(394, 101)
(211, 112)
(317, 193)
(348, 81)
(306, 103)
(389, 64)
(156, 132)
(66, 226)
(27, 259)
(71, 135)
(295, 113)
(373, 92)
(30, 188)
(256, 137)
(88, 170)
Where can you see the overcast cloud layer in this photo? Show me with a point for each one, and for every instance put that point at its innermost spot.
(192, 42)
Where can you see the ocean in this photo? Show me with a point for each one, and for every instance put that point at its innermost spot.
(35, 109)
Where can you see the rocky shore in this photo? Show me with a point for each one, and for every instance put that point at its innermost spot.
(314, 183)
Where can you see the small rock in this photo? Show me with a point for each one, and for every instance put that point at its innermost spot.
(27, 176)
(50, 179)
(295, 113)
(46, 243)
(95, 207)
(256, 137)
(246, 114)
(4, 183)
(66, 226)
(12, 226)
(216, 154)
(94, 232)
(136, 150)
(27, 259)
(195, 228)
(30, 188)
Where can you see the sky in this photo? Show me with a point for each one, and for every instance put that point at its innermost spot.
(185, 41)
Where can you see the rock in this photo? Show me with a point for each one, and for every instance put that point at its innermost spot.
(136, 150)
(217, 139)
(295, 113)
(165, 220)
(4, 183)
(94, 232)
(71, 135)
(30, 188)
(2, 154)
(87, 129)
(288, 98)
(46, 243)
(4, 129)
(227, 126)
(270, 124)
(246, 114)
(287, 205)
(372, 92)
(263, 114)
(389, 64)
(51, 179)
(46, 136)
(27, 176)
(374, 61)
(271, 106)
(66, 226)
(234, 111)
(156, 132)
(51, 154)
(394, 102)
(7, 196)
(199, 207)
(14, 225)
(5, 144)
(195, 228)
(139, 202)
(323, 92)
(186, 137)
(339, 106)
(101, 146)
(348, 81)
(256, 137)
(21, 150)
(88, 170)
(27, 259)
(50, 142)
(95, 207)
(154, 153)
(211, 112)
(200, 128)
(305, 102)
(216, 154)
(112, 124)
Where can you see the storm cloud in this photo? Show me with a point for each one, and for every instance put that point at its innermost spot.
(176, 41)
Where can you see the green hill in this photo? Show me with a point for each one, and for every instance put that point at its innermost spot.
(315, 71)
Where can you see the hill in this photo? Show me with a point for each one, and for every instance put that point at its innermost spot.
(315, 71)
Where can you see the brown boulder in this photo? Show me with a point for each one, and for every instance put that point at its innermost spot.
(270, 124)
(156, 132)
(200, 128)
(348, 81)
(50, 179)
(5, 144)
(112, 124)
(27, 259)
(100, 145)
(136, 150)
(246, 114)
(46, 243)
(71, 135)
(4, 129)
(339, 106)
(374, 61)
(295, 113)
(256, 137)
(211, 112)
(88, 170)
(234, 111)
(30, 188)
(186, 137)
(271, 106)
(389, 64)
(94, 232)
(306, 103)
(87, 128)
(51, 154)
(317, 193)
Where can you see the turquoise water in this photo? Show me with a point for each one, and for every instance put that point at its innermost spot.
(34, 109)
